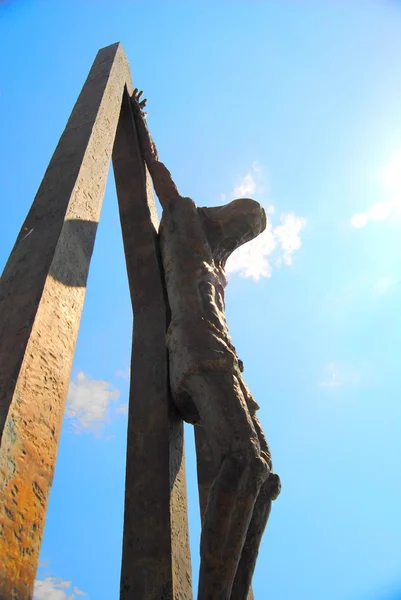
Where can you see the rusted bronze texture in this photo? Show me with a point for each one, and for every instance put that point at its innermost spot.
(207, 386)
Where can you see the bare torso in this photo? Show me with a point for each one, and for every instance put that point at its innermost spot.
(198, 337)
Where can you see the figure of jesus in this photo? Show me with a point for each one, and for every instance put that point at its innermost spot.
(206, 381)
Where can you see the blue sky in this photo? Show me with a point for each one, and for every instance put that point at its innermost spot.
(299, 104)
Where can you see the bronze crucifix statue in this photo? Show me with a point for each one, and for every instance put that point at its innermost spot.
(206, 381)
(42, 291)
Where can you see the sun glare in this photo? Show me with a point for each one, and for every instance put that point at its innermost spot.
(390, 178)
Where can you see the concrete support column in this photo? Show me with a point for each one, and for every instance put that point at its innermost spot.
(42, 291)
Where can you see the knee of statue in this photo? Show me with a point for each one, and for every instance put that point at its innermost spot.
(248, 460)
(267, 457)
(261, 470)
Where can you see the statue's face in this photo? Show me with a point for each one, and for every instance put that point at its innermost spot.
(234, 224)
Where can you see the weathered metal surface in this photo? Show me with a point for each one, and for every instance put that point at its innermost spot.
(206, 471)
(41, 297)
(156, 560)
(205, 374)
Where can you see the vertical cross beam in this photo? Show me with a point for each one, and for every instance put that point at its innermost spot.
(156, 560)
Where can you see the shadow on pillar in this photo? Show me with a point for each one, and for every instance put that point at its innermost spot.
(70, 264)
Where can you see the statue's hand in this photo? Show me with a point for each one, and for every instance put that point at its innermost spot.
(137, 103)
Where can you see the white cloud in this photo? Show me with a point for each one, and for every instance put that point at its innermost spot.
(332, 377)
(122, 409)
(359, 220)
(390, 178)
(288, 235)
(276, 245)
(124, 373)
(53, 588)
(383, 285)
(335, 376)
(390, 175)
(246, 188)
(88, 402)
(251, 260)
(254, 183)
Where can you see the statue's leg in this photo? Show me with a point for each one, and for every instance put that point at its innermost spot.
(242, 471)
(268, 492)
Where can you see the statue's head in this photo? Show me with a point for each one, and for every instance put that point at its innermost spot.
(232, 225)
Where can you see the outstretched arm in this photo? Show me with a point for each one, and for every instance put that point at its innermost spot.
(164, 185)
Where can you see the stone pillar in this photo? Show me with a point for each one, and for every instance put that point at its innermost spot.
(206, 471)
(156, 561)
(42, 292)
